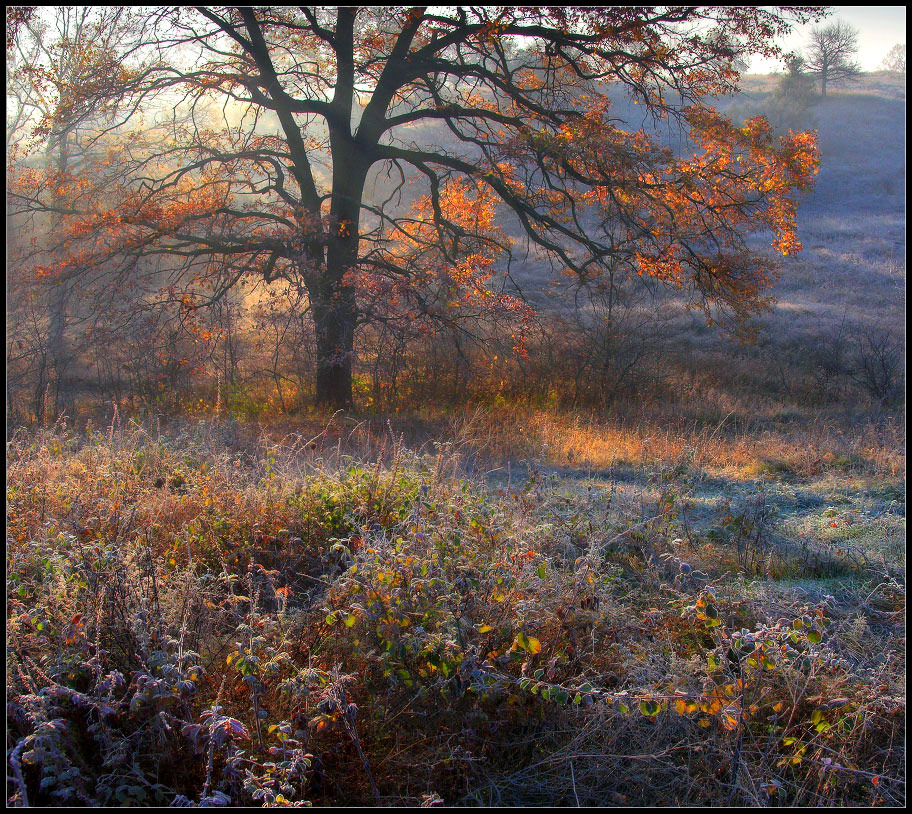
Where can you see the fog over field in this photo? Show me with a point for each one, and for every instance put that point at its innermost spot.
(853, 224)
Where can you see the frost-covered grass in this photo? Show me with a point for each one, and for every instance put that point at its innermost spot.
(215, 613)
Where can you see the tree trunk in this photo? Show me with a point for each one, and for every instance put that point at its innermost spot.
(57, 347)
(334, 328)
(58, 295)
(332, 298)
(823, 80)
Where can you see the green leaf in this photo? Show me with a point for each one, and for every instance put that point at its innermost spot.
(650, 708)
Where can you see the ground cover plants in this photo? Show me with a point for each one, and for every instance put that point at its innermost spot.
(209, 613)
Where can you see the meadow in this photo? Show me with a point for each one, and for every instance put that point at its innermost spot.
(211, 610)
(693, 594)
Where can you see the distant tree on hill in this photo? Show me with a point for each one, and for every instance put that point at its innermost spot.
(831, 53)
(895, 60)
(796, 83)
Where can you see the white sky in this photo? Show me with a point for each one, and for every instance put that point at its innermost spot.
(879, 29)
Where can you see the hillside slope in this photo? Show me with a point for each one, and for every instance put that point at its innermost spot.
(853, 224)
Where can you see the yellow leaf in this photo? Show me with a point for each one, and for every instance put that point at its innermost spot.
(729, 717)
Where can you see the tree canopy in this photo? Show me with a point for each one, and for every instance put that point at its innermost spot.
(235, 144)
(895, 60)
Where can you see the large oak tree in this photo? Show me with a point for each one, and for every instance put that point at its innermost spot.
(253, 132)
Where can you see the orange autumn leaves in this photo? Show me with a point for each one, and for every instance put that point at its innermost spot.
(440, 261)
(97, 221)
(699, 209)
(742, 179)
(679, 216)
(749, 165)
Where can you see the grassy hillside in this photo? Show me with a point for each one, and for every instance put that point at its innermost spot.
(853, 224)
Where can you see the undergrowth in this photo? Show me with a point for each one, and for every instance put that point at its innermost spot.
(196, 621)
